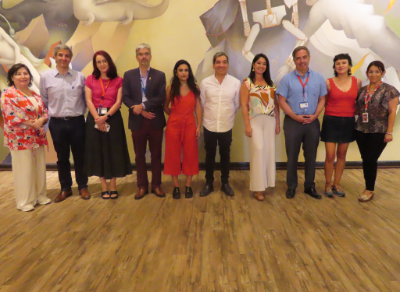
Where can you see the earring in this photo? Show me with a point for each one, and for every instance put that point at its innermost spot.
(349, 72)
(253, 69)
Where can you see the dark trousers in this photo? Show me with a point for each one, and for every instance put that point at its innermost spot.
(371, 146)
(69, 135)
(224, 140)
(295, 135)
(140, 138)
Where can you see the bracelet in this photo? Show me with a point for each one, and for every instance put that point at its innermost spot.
(389, 134)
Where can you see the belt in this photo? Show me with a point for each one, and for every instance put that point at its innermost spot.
(66, 118)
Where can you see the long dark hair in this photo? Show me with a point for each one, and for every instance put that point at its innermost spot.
(266, 74)
(112, 70)
(342, 57)
(176, 83)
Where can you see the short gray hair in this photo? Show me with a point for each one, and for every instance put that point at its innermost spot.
(62, 47)
(219, 54)
(299, 48)
(143, 46)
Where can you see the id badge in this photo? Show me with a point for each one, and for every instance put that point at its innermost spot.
(365, 118)
(102, 110)
(303, 104)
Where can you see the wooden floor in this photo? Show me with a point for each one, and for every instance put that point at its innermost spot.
(204, 244)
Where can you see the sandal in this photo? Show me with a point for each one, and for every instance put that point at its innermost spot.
(365, 198)
(259, 196)
(114, 193)
(105, 195)
(328, 191)
(337, 190)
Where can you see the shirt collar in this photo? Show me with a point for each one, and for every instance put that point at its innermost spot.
(215, 78)
(147, 72)
(297, 72)
(56, 72)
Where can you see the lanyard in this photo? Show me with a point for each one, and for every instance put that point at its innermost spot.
(104, 91)
(142, 85)
(368, 95)
(304, 85)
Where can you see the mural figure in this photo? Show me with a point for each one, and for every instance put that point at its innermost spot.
(335, 26)
(124, 11)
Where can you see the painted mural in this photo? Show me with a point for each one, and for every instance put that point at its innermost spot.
(366, 29)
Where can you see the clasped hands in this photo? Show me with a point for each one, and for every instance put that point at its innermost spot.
(37, 124)
(138, 110)
(305, 119)
(101, 123)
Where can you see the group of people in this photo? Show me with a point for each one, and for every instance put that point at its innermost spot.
(99, 145)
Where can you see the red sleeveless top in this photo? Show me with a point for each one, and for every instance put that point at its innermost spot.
(341, 104)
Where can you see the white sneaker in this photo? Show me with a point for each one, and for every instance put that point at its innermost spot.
(44, 201)
(27, 208)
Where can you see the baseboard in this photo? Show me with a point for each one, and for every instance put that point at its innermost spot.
(246, 165)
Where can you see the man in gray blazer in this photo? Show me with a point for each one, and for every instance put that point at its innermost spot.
(143, 92)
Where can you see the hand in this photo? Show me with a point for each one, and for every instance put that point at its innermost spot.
(300, 118)
(277, 128)
(148, 115)
(198, 132)
(388, 138)
(37, 123)
(42, 131)
(309, 119)
(102, 127)
(137, 109)
(100, 120)
(248, 131)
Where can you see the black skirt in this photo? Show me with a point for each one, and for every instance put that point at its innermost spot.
(106, 153)
(338, 129)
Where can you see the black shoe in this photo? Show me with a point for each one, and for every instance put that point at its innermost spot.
(290, 193)
(105, 195)
(313, 193)
(188, 193)
(176, 194)
(226, 188)
(208, 189)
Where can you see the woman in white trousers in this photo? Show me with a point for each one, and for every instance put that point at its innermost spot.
(24, 116)
(260, 111)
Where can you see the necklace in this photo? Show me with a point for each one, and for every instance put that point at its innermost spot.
(185, 84)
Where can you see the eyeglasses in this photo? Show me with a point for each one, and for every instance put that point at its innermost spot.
(101, 62)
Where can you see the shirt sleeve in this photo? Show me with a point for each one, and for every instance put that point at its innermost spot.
(43, 91)
(119, 83)
(322, 86)
(202, 94)
(391, 93)
(283, 88)
(237, 96)
(89, 82)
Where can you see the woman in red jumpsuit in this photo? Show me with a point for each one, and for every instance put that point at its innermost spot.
(182, 132)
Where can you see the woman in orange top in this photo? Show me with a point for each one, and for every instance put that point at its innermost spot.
(24, 116)
(182, 133)
(338, 123)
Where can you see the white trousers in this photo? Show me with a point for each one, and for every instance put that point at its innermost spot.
(29, 172)
(262, 153)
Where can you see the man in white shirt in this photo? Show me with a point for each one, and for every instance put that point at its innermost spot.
(220, 101)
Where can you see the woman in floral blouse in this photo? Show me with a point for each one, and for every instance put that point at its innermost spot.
(260, 111)
(24, 116)
(376, 106)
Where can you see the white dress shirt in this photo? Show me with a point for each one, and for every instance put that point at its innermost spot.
(219, 102)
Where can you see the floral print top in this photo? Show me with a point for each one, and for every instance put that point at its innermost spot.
(261, 99)
(378, 109)
(17, 108)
